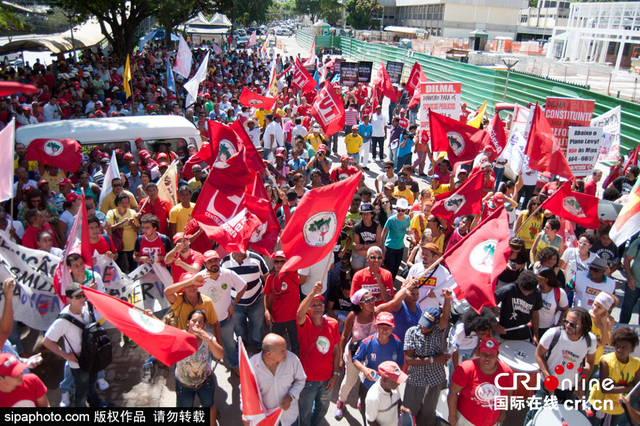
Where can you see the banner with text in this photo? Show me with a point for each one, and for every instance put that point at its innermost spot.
(394, 70)
(610, 144)
(565, 112)
(349, 73)
(364, 72)
(443, 98)
(583, 148)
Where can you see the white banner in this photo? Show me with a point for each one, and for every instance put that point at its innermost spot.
(582, 149)
(443, 98)
(193, 85)
(183, 59)
(168, 185)
(514, 151)
(35, 302)
(610, 142)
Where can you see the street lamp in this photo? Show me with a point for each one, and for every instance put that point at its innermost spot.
(70, 14)
(510, 63)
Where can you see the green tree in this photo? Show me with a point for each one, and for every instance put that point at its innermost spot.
(360, 13)
(8, 19)
(171, 13)
(245, 12)
(311, 7)
(331, 11)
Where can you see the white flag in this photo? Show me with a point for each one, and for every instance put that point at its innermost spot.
(610, 143)
(192, 85)
(312, 57)
(7, 137)
(514, 151)
(168, 185)
(112, 173)
(183, 59)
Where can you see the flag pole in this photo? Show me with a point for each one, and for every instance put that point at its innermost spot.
(536, 210)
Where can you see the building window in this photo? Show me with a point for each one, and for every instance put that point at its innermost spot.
(524, 19)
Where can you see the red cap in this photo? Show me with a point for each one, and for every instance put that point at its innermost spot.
(71, 197)
(344, 157)
(385, 318)
(211, 254)
(10, 365)
(65, 181)
(322, 148)
(118, 151)
(42, 182)
(162, 155)
(186, 275)
(99, 114)
(128, 156)
(104, 155)
(177, 237)
(498, 197)
(144, 154)
(107, 100)
(138, 139)
(279, 253)
(489, 345)
(391, 370)
(318, 296)
(163, 164)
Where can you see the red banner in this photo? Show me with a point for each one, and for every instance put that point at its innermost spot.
(564, 112)
(301, 77)
(328, 110)
(415, 77)
(65, 154)
(251, 99)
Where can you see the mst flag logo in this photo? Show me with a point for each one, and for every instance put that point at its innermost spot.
(226, 150)
(320, 228)
(53, 148)
(572, 205)
(481, 257)
(456, 142)
(259, 233)
(455, 203)
(150, 324)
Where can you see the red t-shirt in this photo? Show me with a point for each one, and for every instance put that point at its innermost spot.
(194, 257)
(159, 245)
(161, 209)
(590, 188)
(286, 295)
(30, 240)
(404, 123)
(367, 110)
(339, 173)
(464, 115)
(550, 188)
(317, 345)
(476, 399)
(26, 394)
(365, 279)
(103, 245)
(304, 111)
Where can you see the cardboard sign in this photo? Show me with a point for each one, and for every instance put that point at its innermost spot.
(394, 69)
(349, 73)
(583, 149)
(443, 98)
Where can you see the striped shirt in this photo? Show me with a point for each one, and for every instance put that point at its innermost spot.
(251, 271)
(351, 117)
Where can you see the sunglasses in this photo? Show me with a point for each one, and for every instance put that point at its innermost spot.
(594, 269)
(116, 185)
(278, 262)
(535, 204)
(375, 257)
(402, 180)
(371, 299)
(387, 168)
(385, 202)
(571, 324)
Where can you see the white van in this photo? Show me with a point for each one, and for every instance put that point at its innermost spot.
(117, 132)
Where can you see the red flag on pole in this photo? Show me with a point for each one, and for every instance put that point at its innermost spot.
(252, 40)
(496, 137)
(383, 81)
(415, 98)
(466, 199)
(575, 206)
(252, 407)
(315, 226)
(224, 143)
(545, 155)
(264, 238)
(569, 237)
(166, 343)
(328, 110)
(79, 243)
(312, 55)
(477, 260)
(251, 99)
(251, 155)
(416, 76)
(65, 154)
(301, 77)
(461, 142)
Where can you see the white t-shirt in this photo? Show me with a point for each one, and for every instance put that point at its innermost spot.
(586, 290)
(314, 274)
(457, 335)
(383, 179)
(270, 130)
(564, 352)
(62, 327)
(382, 406)
(67, 218)
(529, 177)
(17, 226)
(29, 184)
(377, 125)
(547, 313)
(440, 279)
(220, 290)
(571, 258)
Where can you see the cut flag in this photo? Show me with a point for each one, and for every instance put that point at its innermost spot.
(193, 85)
(312, 56)
(477, 260)
(166, 343)
(79, 243)
(7, 138)
(477, 120)
(568, 236)
(416, 76)
(272, 88)
(168, 185)
(496, 137)
(628, 222)
(251, 155)
(415, 98)
(264, 238)
(315, 226)
(461, 142)
(127, 77)
(575, 206)
(252, 407)
(383, 82)
(223, 142)
(65, 154)
(184, 58)
(614, 172)
(464, 200)
(302, 80)
(328, 110)
(251, 99)
(112, 173)
(545, 155)
(252, 40)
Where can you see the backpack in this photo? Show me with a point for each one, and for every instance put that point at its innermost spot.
(556, 294)
(96, 351)
(457, 310)
(557, 332)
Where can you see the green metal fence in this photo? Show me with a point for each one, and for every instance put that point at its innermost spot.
(480, 84)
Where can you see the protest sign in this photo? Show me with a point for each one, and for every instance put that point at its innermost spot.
(349, 73)
(337, 65)
(443, 98)
(364, 71)
(610, 143)
(394, 69)
(583, 149)
(564, 112)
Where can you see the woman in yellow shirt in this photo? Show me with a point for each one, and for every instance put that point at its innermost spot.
(602, 321)
(122, 217)
(532, 227)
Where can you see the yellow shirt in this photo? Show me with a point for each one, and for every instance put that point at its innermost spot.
(180, 216)
(128, 234)
(315, 141)
(55, 180)
(194, 184)
(419, 223)
(109, 201)
(406, 194)
(353, 143)
(531, 229)
(442, 189)
(621, 374)
(33, 165)
(260, 114)
(182, 308)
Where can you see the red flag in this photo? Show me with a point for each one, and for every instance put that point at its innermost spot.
(252, 407)
(614, 173)
(477, 260)
(79, 243)
(545, 155)
(264, 238)
(568, 236)
(168, 344)
(328, 110)
(251, 155)
(415, 99)
(251, 99)
(575, 206)
(301, 77)
(416, 76)
(224, 143)
(466, 199)
(252, 40)
(383, 81)
(65, 154)
(495, 137)
(312, 54)
(374, 98)
(462, 143)
(315, 226)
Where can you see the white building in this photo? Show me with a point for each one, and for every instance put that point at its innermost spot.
(599, 33)
(454, 18)
(536, 23)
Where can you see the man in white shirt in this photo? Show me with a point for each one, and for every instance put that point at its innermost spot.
(431, 285)
(51, 111)
(529, 182)
(280, 378)
(587, 284)
(298, 129)
(253, 131)
(313, 274)
(383, 396)
(379, 134)
(269, 138)
(217, 285)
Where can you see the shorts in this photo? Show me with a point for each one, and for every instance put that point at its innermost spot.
(358, 262)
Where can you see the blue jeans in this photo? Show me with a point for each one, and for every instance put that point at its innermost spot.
(499, 173)
(186, 395)
(229, 342)
(15, 339)
(356, 157)
(66, 385)
(463, 355)
(527, 192)
(255, 314)
(405, 159)
(314, 403)
(85, 388)
(630, 299)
